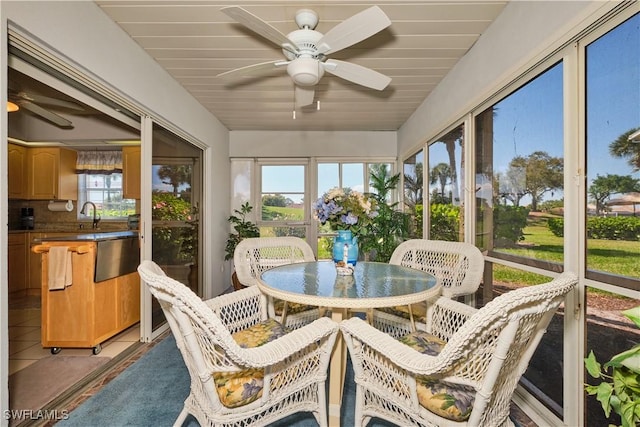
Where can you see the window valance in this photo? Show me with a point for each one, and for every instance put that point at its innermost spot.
(99, 162)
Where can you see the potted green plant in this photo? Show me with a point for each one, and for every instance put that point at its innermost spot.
(391, 226)
(620, 389)
(243, 229)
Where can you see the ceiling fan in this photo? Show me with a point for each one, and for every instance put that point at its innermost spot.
(306, 50)
(33, 102)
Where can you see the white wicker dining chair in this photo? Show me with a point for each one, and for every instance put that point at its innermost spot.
(255, 255)
(458, 266)
(245, 368)
(463, 377)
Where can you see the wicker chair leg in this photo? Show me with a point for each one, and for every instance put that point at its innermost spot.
(181, 418)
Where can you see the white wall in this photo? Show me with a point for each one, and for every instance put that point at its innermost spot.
(312, 144)
(81, 34)
(523, 32)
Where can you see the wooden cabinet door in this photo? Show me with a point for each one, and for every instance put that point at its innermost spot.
(52, 174)
(128, 297)
(43, 173)
(17, 258)
(17, 159)
(131, 172)
(67, 177)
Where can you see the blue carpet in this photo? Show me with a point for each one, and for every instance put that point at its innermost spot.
(152, 390)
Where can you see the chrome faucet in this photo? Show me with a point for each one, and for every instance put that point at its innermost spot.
(83, 211)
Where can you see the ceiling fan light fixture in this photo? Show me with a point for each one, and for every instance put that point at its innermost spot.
(305, 71)
(11, 107)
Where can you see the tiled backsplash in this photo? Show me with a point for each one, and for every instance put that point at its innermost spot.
(55, 221)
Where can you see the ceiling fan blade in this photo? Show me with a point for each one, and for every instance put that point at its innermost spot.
(46, 114)
(254, 70)
(353, 30)
(357, 74)
(304, 95)
(47, 100)
(257, 25)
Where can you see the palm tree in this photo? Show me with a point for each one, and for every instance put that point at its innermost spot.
(623, 147)
(442, 174)
(413, 187)
(450, 139)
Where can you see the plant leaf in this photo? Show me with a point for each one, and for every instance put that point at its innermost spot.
(629, 358)
(633, 314)
(628, 414)
(604, 396)
(592, 365)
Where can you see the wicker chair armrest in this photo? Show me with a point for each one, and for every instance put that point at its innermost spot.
(399, 354)
(322, 332)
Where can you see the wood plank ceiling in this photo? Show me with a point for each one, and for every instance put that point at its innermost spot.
(195, 42)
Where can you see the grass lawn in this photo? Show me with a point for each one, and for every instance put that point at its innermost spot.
(611, 256)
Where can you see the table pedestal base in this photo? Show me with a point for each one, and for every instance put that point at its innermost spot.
(337, 372)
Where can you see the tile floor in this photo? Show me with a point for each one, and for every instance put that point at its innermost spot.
(24, 338)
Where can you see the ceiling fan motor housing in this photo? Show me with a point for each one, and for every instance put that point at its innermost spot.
(305, 71)
(305, 68)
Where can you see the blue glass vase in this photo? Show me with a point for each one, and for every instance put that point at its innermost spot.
(345, 244)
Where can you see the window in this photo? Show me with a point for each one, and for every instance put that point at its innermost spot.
(446, 178)
(105, 191)
(358, 176)
(519, 204)
(613, 155)
(282, 197)
(520, 174)
(413, 192)
(612, 195)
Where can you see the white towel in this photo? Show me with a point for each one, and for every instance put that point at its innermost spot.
(60, 268)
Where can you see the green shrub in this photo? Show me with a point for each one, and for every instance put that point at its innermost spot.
(614, 228)
(606, 228)
(509, 222)
(445, 222)
(556, 225)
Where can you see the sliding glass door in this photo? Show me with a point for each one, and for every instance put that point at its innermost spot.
(176, 186)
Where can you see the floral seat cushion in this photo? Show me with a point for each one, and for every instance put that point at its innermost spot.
(243, 387)
(446, 399)
(419, 311)
(292, 307)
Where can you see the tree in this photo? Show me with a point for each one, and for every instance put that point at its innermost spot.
(413, 187)
(622, 148)
(442, 174)
(450, 139)
(274, 200)
(542, 173)
(511, 185)
(175, 175)
(604, 186)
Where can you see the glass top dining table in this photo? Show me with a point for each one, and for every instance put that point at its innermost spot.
(372, 285)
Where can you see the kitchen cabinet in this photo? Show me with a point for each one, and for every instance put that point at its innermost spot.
(131, 172)
(17, 257)
(17, 177)
(52, 174)
(91, 310)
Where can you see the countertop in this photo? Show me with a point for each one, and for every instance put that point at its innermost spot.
(91, 237)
